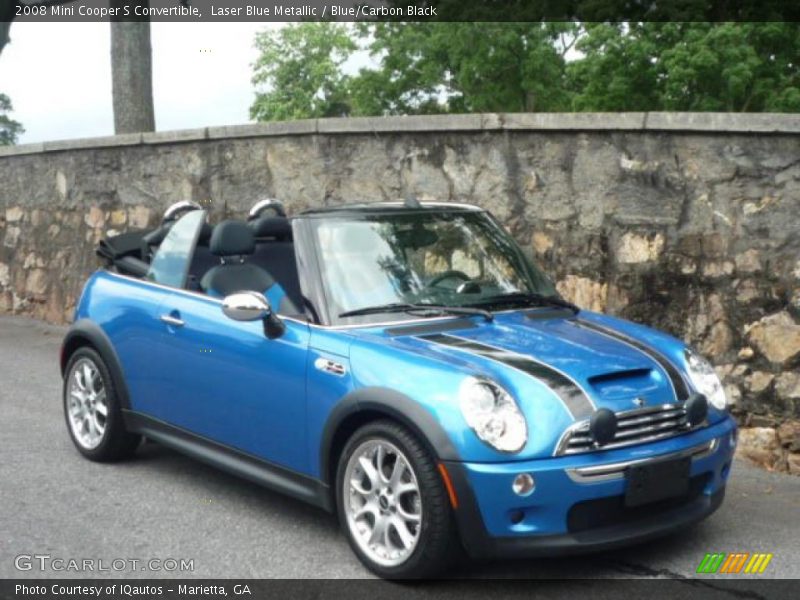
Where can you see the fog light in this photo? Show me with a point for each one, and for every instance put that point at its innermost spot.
(523, 484)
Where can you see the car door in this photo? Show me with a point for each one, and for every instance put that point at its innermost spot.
(223, 379)
(233, 385)
(139, 333)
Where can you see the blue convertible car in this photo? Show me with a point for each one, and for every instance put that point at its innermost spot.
(403, 365)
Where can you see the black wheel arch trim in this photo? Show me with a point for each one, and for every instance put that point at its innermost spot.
(394, 405)
(95, 337)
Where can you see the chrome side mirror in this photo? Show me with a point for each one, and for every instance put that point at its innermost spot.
(253, 306)
(246, 306)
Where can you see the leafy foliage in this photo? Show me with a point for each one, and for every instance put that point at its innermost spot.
(9, 129)
(464, 67)
(298, 74)
(425, 68)
(734, 67)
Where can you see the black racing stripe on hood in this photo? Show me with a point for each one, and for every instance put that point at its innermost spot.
(431, 328)
(574, 398)
(678, 383)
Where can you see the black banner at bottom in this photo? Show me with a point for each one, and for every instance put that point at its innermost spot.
(218, 589)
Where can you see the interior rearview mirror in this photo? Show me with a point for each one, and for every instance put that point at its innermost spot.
(253, 306)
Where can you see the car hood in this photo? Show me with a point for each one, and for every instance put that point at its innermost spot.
(587, 362)
(559, 368)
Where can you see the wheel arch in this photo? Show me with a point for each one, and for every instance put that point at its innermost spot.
(85, 333)
(369, 404)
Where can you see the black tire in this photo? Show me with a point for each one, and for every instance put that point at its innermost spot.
(117, 443)
(438, 543)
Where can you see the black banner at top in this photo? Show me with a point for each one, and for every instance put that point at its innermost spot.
(400, 10)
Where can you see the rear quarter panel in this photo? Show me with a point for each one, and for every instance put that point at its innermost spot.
(127, 312)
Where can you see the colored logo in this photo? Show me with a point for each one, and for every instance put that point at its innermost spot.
(735, 563)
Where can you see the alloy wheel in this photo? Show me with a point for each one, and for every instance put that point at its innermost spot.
(87, 406)
(382, 500)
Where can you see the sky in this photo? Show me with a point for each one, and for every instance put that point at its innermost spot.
(58, 76)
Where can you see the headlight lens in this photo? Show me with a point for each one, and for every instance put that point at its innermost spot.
(493, 415)
(705, 379)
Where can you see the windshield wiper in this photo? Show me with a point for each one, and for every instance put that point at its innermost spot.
(528, 298)
(408, 307)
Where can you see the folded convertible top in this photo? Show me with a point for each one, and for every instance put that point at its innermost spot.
(124, 244)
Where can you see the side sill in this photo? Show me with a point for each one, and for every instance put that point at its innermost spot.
(231, 460)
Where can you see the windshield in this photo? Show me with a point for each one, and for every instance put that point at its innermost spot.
(447, 258)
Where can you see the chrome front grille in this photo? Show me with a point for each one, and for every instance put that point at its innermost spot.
(633, 427)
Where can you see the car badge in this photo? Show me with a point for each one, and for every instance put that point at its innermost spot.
(639, 401)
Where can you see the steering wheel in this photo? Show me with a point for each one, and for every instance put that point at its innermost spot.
(451, 274)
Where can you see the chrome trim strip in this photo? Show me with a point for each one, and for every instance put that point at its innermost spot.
(613, 471)
(170, 320)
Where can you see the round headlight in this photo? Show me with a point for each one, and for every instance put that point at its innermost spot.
(705, 379)
(492, 413)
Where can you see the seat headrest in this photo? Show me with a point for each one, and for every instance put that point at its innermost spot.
(232, 238)
(272, 227)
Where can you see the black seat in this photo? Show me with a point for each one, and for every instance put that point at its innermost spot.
(275, 253)
(232, 242)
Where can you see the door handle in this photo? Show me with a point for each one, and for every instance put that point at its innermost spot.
(174, 321)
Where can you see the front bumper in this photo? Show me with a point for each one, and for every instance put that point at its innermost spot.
(578, 502)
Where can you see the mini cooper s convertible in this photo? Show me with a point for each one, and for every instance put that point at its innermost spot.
(403, 365)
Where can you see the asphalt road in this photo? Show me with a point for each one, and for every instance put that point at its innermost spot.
(162, 505)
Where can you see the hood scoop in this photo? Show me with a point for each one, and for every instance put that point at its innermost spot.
(623, 384)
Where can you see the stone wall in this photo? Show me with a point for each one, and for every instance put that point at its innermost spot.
(687, 222)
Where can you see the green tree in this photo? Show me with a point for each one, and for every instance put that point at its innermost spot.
(9, 129)
(428, 68)
(299, 74)
(464, 67)
(731, 67)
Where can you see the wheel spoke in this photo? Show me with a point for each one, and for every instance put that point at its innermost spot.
(380, 458)
(370, 471)
(405, 488)
(88, 377)
(407, 516)
(86, 428)
(90, 428)
(78, 380)
(98, 427)
(406, 537)
(378, 533)
(366, 509)
(76, 410)
(355, 485)
(100, 404)
(75, 398)
(397, 472)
